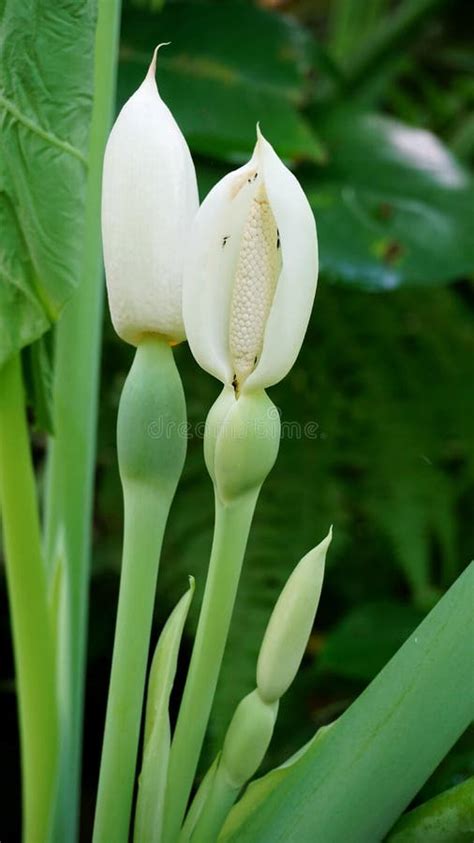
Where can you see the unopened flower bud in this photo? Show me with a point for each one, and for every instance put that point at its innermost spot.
(290, 624)
(149, 199)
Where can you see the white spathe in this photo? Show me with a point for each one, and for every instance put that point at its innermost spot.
(251, 273)
(149, 199)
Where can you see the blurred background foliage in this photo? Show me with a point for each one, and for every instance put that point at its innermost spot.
(371, 103)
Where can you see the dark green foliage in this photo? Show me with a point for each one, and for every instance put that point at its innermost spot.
(396, 198)
(38, 374)
(393, 204)
(217, 92)
(382, 382)
(377, 412)
(376, 441)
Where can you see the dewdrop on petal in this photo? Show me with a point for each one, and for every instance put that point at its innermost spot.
(149, 199)
(251, 273)
(290, 624)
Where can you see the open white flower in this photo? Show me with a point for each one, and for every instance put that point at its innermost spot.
(251, 274)
(149, 199)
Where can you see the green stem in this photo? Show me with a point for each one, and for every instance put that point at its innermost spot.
(216, 809)
(71, 456)
(143, 532)
(447, 817)
(26, 580)
(151, 449)
(231, 531)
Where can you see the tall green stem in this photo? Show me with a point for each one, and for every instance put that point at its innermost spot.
(151, 435)
(232, 527)
(26, 579)
(71, 456)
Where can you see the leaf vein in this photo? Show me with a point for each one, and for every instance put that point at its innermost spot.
(66, 147)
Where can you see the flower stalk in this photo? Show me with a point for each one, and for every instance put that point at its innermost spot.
(150, 468)
(232, 526)
(249, 284)
(240, 444)
(31, 621)
(149, 197)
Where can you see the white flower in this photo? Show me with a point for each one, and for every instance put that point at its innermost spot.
(251, 274)
(149, 199)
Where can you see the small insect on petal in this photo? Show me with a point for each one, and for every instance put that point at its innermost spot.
(251, 274)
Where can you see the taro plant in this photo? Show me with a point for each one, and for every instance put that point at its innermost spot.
(236, 277)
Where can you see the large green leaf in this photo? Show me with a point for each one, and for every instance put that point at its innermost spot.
(393, 207)
(228, 67)
(353, 783)
(46, 66)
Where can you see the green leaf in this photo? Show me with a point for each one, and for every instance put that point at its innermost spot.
(448, 818)
(198, 802)
(354, 783)
(457, 766)
(393, 207)
(46, 66)
(367, 638)
(156, 744)
(228, 67)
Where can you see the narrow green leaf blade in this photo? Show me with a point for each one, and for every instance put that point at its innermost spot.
(46, 70)
(354, 783)
(198, 802)
(156, 747)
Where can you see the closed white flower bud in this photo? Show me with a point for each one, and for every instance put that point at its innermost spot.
(251, 274)
(149, 199)
(290, 624)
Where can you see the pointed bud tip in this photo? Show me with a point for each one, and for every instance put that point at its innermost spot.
(262, 145)
(260, 136)
(152, 68)
(290, 624)
(318, 553)
(328, 539)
